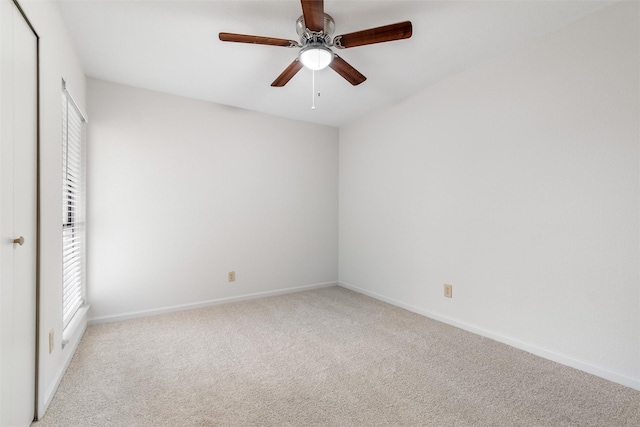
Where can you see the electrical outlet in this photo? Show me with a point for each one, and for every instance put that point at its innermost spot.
(448, 291)
(51, 341)
(232, 276)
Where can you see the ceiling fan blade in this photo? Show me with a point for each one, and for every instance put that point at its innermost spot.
(387, 33)
(244, 38)
(343, 68)
(287, 74)
(313, 13)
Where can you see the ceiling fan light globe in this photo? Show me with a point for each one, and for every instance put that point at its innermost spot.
(316, 57)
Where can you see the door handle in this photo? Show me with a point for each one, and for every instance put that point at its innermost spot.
(19, 240)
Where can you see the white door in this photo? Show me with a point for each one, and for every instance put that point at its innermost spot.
(18, 124)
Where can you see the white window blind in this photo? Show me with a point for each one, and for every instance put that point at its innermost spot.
(73, 210)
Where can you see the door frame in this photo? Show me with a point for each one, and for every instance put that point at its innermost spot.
(37, 260)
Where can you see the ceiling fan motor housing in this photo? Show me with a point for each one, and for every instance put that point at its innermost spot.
(311, 37)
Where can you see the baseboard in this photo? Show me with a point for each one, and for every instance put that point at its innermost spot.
(547, 354)
(202, 304)
(73, 338)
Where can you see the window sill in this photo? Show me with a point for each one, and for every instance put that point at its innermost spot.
(78, 322)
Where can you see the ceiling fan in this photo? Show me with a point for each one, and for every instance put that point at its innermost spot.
(315, 29)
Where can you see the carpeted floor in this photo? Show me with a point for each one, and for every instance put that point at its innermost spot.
(327, 357)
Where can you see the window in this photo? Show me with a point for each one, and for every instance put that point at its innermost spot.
(73, 210)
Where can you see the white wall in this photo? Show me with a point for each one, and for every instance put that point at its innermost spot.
(182, 191)
(57, 61)
(517, 182)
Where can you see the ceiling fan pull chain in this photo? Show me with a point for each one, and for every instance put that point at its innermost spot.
(313, 90)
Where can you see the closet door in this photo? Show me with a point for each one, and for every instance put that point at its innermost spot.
(18, 216)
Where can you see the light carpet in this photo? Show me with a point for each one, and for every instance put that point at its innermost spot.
(326, 357)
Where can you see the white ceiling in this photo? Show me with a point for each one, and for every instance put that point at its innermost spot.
(173, 47)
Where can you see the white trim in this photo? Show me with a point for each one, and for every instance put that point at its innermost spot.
(73, 333)
(78, 320)
(538, 351)
(73, 101)
(209, 303)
